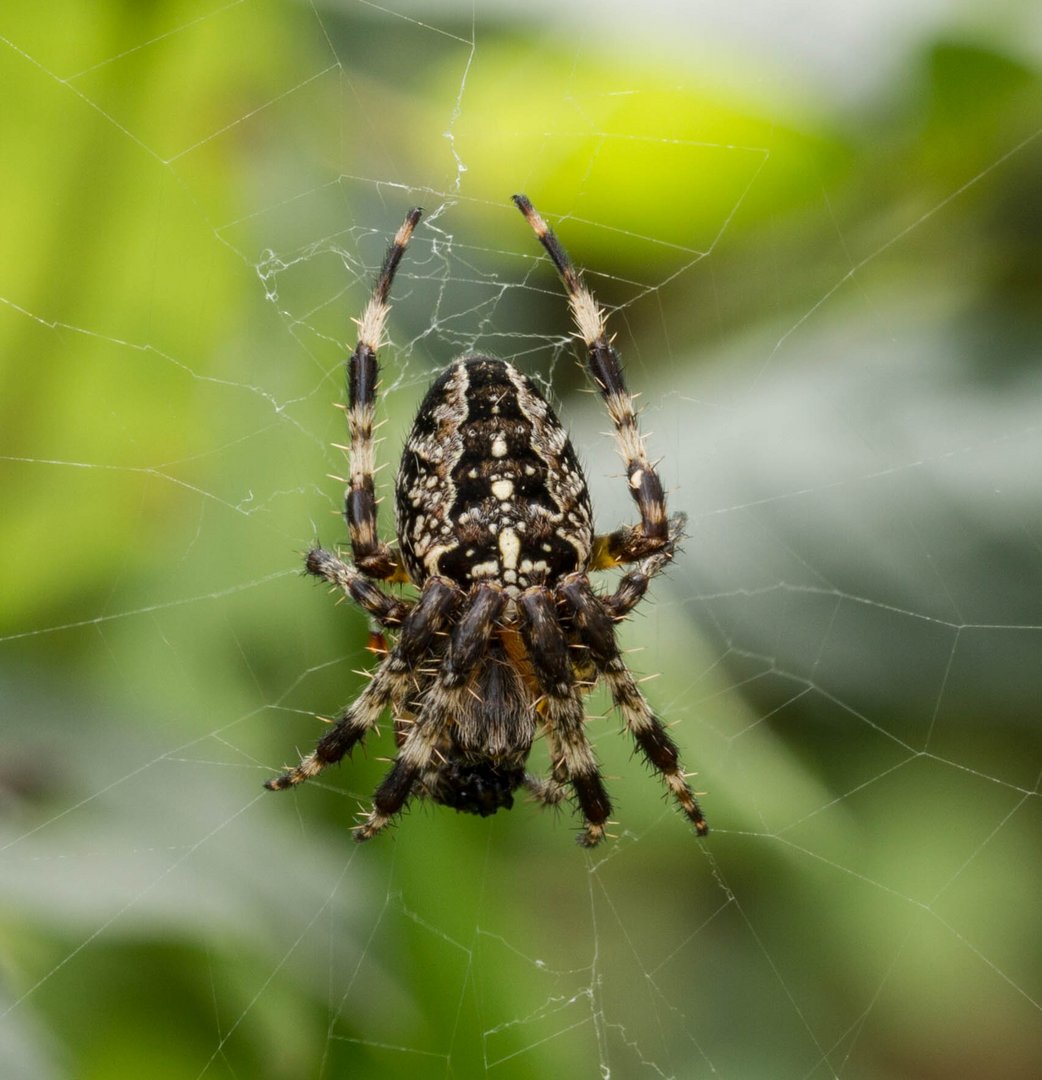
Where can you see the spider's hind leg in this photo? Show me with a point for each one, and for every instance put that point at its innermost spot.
(574, 759)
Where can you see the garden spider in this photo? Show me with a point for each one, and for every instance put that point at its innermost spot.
(495, 528)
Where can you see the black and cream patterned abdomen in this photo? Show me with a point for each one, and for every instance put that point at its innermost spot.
(489, 486)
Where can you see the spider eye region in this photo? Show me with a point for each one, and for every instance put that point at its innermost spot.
(489, 487)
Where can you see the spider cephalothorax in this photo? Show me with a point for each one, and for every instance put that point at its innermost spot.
(495, 528)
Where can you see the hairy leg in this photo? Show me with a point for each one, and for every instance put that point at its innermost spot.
(598, 632)
(388, 611)
(605, 368)
(370, 555)
(443, 702)
(562, 703)
(390, 681)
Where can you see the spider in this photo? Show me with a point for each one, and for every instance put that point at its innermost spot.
(495, 529)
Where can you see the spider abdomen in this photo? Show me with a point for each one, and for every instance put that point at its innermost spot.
(489, 487)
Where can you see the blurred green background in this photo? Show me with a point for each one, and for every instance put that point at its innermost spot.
(820, 238)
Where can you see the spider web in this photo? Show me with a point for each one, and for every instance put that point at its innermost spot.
(819, 247)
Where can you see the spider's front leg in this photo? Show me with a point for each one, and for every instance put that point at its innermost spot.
(632, 542)
(442, 705)
(372, 557)
(596, 627)
(575, 762)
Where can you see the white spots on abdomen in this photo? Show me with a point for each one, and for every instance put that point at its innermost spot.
(489, 487)
(509, 548)
(503, 489)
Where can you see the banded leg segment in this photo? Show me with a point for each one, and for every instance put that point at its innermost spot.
(634, 583)
(631, 542)
(649, 733)
(390, 682)
(418, 752)
(374, 558)
(388, 611)
(574, 758)
(443, 704)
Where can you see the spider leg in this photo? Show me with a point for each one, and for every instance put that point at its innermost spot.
(574, 758)
(442, 705)
(372, 557)
(389, 681)
(598, 634)
(547, 792)
(634, 583)
(631, 542)
(386, 610)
